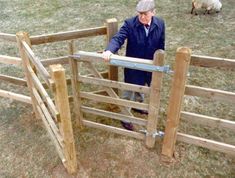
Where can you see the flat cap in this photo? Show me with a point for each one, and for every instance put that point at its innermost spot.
(145, 5)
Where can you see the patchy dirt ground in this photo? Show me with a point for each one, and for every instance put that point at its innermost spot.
(27, 151)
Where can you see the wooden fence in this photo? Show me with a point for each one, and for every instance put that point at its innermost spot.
(179, 89)
(54, 111)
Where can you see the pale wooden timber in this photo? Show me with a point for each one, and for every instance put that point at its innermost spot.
(212, 62)
(114, 129)
(8, 37)
(10, 60)
(15, 96)
(75, 85)
(206, 143)
(207, 120)
(40, 68)
(13, 80)
(109, 90)
(57, 60)
(121, 117)
(115, 84)
(112, 28)
(58, 148)
(49, 122)
(104, 75)
(97, 57)
(116, 101)
(38, 85)
(209, 93)
(69, 35)
(182, 61)
(62, 103)
(24, 37)
(154, 99)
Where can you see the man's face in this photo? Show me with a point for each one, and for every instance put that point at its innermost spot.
(145, 17)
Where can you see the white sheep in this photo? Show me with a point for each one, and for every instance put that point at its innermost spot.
(207, 4)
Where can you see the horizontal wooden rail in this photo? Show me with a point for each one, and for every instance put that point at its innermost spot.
(61, 36)
(207, 121)
(113, 115)
(114, 129)
(10, 60)
(40, 68)
(58, 60)
(210, 93)
(114, 84)
(8, 37)
(212, 62)
(43, 92)
(13, 80)
(111, 100)
(206, 143)
(15, 96)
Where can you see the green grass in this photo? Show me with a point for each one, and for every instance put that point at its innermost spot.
(26, 150)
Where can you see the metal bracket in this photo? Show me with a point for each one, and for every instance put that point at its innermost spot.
(139, 66)
(154, 134)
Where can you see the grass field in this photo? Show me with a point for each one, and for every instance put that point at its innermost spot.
(27, 151)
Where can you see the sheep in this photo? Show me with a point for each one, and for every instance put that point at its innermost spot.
(207, 4)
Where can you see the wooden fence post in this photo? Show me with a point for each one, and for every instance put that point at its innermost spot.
(182, 61)
(23, 36)
(112, 28)
(154, 101)
(75, 85)
(65, 125)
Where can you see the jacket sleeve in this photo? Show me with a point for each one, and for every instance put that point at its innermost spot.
(162, 39)
(118, 40)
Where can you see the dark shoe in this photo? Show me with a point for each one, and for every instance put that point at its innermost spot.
(140, 111)
(127, 125)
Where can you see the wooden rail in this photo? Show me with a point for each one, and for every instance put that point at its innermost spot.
(210, 93)
(114, 84)
(61, 36)
(113, 115)
(10, 60)
(212, 62)
(210, 144)
(8, 37)
(114, 129)
(207, 121)
(15, 96)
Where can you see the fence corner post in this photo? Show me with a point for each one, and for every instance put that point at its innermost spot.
(62, 102)
(112, 28)
(154, 101)
(182, 62)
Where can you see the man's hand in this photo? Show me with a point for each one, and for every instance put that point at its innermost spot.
(106, 55)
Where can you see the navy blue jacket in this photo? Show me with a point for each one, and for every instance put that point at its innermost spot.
(139, 45)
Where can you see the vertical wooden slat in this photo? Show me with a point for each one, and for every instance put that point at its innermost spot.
(23, 36)
(62, 103)
(154, 101)
(112, 28)
(75, 85)
(182, 61)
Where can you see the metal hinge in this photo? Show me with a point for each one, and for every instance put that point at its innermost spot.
(154, 134)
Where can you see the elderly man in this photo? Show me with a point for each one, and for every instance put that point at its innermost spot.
(145, 33)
